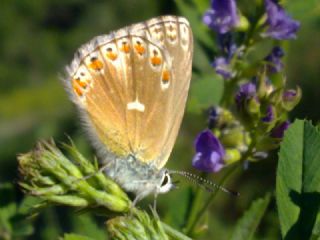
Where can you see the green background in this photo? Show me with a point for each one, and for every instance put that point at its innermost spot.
(37, 40)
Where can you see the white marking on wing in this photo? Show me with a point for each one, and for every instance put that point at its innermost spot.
(136, 105)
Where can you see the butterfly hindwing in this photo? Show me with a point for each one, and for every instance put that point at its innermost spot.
(132, 86)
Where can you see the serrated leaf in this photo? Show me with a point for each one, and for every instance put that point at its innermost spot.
(298, 180)
(248, 224)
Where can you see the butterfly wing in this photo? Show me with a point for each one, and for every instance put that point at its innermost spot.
(131, 87)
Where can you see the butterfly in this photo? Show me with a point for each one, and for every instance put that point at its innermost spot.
(131, 87)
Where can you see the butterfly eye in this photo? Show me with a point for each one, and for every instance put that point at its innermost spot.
(166, 184)
(165, 180)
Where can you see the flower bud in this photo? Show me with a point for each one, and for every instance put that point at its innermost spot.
(243, 25)
(290, 98)
(47, 173)
(223, 68)
(268, 119)
(136, 226)
(253, 106)
(232, 155)
(273, 60)
(219, 117)
(279, 130)
(233, 137)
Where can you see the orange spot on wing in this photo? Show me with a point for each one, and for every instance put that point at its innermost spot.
(157, 29)
(165, 76)
(139, 48)
(172, 37)
(125, 47)
(155, 60)
(111, 55)
(77, 87)
(96, 64)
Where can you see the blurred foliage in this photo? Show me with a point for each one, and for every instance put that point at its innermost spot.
(248, 224)
(38, 38)
(14, 220)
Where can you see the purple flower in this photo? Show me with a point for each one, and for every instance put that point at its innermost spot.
(274, 60)
(280, 25)
(246, 91)
(209, 153)
(279, 130)
(221, 64)
(222, 67)
(269, 117)
(222, 15)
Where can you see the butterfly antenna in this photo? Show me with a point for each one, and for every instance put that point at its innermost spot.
(204, 183)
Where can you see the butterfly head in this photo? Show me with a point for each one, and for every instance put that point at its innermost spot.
(166, 183)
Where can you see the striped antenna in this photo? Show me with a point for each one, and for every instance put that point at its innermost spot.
(204, 183)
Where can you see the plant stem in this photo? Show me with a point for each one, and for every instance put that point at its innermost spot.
(174, 234)
(228, 92)
(195, 206)
(192, 222)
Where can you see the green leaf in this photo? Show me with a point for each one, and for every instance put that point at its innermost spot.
(86, 225)
(194, 15)
(302, 11)
(13, 221)
(72, 236)
(201, 62)
(205, 91)
(298, 180)
(316, 229)
(248, 224)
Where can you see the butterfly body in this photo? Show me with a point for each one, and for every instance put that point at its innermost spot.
(140, 178)
(131, 88)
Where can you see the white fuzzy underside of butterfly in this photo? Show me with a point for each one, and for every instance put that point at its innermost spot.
(131, 88)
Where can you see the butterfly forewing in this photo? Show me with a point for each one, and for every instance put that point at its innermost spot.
(132, 86)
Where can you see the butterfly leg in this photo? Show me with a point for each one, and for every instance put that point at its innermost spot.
(154, 212)
(155, 200)
(137, 199)
(154, 208)
(94, 173)
(134, 203)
